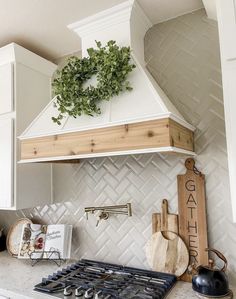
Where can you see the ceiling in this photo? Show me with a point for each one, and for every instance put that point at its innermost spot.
(41, 25)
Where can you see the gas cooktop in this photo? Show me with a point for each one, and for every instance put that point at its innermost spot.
(98, 280)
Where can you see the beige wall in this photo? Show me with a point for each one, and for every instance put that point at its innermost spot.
(183, 55)
(63, 60)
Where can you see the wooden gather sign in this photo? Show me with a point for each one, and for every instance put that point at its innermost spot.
(192, 215)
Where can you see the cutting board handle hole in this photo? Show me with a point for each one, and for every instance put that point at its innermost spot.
(168, 235)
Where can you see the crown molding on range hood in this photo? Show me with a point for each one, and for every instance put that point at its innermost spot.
(141, 121)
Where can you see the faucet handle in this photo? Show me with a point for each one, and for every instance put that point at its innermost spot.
(98, 220)
(102, 216)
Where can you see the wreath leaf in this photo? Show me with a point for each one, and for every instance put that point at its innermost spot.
(111, 64)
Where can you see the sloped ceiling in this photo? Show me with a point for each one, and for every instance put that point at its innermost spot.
(41, 26)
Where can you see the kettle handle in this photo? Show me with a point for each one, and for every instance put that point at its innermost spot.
(221, 256)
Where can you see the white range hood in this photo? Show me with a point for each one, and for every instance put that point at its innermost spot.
(127, 25)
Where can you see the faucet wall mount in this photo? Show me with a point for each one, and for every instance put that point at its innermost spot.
(106, 211)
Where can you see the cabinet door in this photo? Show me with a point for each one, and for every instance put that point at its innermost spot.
(226, 11)
(6, 88)
(6, 163)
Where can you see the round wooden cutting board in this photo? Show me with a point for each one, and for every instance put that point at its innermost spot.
(14, 236)
(167, 255)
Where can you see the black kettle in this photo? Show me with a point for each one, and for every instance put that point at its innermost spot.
(210, 281)
(2, 240)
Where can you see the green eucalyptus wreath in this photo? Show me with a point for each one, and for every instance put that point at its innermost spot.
(110, 64)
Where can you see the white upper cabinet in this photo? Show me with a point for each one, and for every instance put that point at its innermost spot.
(226, 12)
(6, 162)
(6, 88)
(25, 88)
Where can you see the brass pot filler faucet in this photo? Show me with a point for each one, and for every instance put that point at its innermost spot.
(106, 211)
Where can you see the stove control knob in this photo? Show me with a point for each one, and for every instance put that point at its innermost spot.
(88, 294)
(67, 291)
(98, 295)
(79, 292)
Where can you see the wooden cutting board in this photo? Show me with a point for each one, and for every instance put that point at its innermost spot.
(167, 255)
(165, 221)
(192, 215)
(14, 236)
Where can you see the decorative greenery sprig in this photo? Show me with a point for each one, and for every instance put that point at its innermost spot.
(110, 64)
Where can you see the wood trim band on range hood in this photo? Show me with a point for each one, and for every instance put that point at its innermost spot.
(142, 121)
(141, 137)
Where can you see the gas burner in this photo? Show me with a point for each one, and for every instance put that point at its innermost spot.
(97, 280)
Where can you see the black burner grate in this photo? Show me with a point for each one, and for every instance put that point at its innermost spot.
(92, 279)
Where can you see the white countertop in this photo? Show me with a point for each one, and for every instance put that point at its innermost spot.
(18, 277)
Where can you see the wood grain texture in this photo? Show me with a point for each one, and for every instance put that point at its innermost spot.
(74, 161)
(165, 221)
(167, 255)
(14, 236)
(192, 215)
(180, 136)
(141, 135)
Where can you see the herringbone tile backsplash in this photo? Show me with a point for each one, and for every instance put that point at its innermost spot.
(183, 56)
